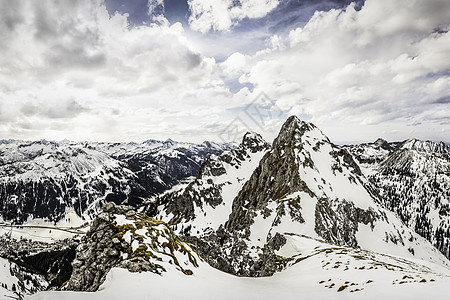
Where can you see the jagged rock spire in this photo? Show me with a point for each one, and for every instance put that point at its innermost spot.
(383, 144)
(254, 142)
(292, 131)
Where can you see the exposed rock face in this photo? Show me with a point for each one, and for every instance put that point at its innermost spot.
(337, 221)
(96, 255)
(279, 175)
(383, 144)
(121, 237)
(199, 210)
(229, 252)
(251, 143)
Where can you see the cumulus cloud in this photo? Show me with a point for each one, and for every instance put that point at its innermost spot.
(73, 62)
(221, 15)
(156, 10)
(387, 62)
(155, 7)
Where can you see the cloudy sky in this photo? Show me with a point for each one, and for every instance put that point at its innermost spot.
(122, 70)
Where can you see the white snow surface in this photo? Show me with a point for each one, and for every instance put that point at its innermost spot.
(6, 278)
(44, 231)
(318, 271)
(11, 286)
(21, 161)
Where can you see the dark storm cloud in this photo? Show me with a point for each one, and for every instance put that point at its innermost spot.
(46, 26)
(443, 100)
(29, 109)
(54, 54)
(61, 110)
(69, 109)
(67, 56)
(11, 15)
(193, 60)
(45, 29)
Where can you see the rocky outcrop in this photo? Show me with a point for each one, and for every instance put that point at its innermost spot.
(252, 142)
(121, 237)
(276, 176)
(229, 252)
(337, 221)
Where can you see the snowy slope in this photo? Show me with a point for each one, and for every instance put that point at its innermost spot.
(414, 182)
(302, 215)
(238, 214)
(15, 283)
(369, 155)
(159, 165)
(317, 271)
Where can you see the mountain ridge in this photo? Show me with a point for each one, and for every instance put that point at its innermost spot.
(45, 179)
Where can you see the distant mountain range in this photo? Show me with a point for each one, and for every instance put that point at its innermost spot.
(413, 180)
(45, 179)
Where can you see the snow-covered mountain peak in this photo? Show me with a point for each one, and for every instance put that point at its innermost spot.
(426, 146)
(301, 207)
(152, 142)
(295, 132)
(205, 203)
(308, 186)
(413, 180)
(169, 142)
(380, 141)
